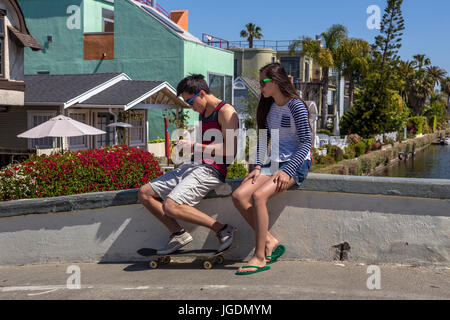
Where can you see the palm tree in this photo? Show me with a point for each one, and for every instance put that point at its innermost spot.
(252, 32)
(445, 88)
(437, 74)
(405, 71)
(420, 61)
(420, 85)
(324, 55)
(353, 57)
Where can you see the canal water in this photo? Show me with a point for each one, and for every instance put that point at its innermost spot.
(432, 163)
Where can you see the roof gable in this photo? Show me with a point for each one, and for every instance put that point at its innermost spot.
(62, 89)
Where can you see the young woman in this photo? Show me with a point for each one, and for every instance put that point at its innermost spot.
(285, 116)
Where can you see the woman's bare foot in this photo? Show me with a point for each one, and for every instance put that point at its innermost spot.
(255, 261)
(270, 246)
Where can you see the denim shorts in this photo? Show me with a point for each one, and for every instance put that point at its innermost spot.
(299, 175)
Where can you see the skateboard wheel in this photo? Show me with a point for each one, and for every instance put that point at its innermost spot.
(219, 260)
(154, 264)
(165, 260)
(207, 265)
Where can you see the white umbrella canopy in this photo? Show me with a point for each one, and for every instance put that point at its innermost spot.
(61, 126)
(120, 125)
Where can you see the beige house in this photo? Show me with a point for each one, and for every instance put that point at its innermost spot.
(248, 61)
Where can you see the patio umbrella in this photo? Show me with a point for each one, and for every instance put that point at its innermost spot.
(120, 125)
(61, 126)
(120, 130)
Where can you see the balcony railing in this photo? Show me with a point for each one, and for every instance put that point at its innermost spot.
(277, 45)
(215, 41)
(158, 7)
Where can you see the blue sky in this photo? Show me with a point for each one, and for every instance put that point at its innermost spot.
(427, 22)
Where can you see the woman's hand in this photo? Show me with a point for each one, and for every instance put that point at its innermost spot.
(281, 178)
(253, 175)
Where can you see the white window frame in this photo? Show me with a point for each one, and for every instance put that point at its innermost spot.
(134, 143)
(30, 115)
(224, 84)
(87, 145)
(106, 19)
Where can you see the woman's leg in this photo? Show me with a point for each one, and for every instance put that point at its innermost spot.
(242, 200)
(260, 197)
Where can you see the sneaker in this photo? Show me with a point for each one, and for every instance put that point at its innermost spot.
(225, 237)
(176, 242)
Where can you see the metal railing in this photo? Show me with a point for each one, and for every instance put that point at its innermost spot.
(215, 41)
(277, 45)
(158, 7)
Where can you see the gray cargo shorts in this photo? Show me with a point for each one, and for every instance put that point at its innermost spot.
(188, 184)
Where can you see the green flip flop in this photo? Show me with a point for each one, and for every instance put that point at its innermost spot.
(278, 252)
(258, 269)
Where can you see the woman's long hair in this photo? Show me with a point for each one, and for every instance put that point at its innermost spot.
(278, 74)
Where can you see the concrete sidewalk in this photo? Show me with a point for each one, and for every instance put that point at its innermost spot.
(187, 280)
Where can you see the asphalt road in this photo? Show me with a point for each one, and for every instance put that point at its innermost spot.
(287, 280)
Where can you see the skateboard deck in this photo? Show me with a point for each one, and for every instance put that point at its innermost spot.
(210, 256)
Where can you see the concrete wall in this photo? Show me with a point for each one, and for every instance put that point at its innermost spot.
(384, 220)
(250, 61)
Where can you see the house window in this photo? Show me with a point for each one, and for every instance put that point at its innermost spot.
(107, 139)
(221, 86)
(2, 39)
(291, 65)
(82, 141)
(36, 118)
(137, 131)
(108, 20)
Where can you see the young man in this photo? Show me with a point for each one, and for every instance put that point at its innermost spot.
(185, 187)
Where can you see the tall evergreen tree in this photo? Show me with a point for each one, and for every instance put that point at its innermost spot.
(378, 106)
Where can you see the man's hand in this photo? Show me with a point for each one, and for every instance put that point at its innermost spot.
(281, 178)
(184, 143)
(253, 175)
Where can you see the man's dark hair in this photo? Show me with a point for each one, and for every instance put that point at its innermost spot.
(192, 85)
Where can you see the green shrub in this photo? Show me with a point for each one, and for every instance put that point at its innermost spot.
(432, 122)
(360, 149)
(415, 125)
(354, 139)
(325, 131)
(350, 152)
(336, 153)
(236, 171)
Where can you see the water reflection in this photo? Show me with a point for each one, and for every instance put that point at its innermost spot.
(433, 163)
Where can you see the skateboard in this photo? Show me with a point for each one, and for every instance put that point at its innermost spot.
(209, 256)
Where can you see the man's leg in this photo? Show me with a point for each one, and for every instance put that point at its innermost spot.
(149, 198)
(180, 203)
(190, 214)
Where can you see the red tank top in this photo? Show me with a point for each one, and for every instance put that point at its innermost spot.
(212, 122)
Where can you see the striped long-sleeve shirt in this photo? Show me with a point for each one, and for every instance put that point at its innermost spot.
(294, 136)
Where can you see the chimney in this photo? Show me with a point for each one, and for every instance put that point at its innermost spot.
(180, 17)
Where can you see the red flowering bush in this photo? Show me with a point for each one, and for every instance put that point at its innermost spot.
(106, 169)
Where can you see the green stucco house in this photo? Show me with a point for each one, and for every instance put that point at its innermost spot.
(122, 36)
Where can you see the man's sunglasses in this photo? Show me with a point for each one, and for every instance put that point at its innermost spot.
(191, 100)
(262, 83)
